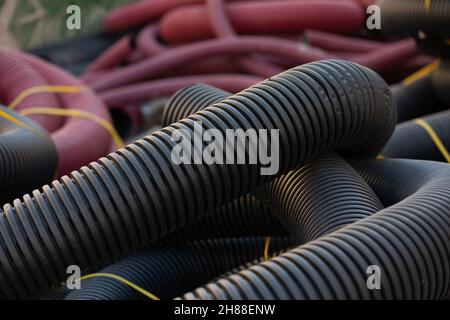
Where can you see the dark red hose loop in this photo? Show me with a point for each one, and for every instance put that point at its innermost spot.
(190, 23)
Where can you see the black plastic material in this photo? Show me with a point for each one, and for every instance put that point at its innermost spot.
(170, 271)
(28, 157)
(412, 141)
(407, 241)
(135, 196)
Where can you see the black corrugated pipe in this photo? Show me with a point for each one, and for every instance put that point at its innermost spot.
(320, 197)
(412, 141)
(242, 217)
(429, 20)
(408, 241)
(441, 82)
(26, 151)
(416, 99)
(86, 218)
(170, 271)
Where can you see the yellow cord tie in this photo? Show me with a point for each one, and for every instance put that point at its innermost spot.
(427, 4)
(422, 72)
(79, 114)
(437, 141)
(21, 124)
(122, 280)
(44, 89)
(266, 249)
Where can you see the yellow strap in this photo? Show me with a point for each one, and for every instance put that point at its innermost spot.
(43, 89)
(422, 72)
(124, 281)
(21, 124)
(427, 4)
(437, 141)
(266, 249)
(80, 114)
(380, 157)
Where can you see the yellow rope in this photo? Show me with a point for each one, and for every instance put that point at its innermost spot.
(266, 249)
(437, 141)
(14, 120)
(422, 72)
(124, 281)
(427, 4)
(42, 89)
(80, 114)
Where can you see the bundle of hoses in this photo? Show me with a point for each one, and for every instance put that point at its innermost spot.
(137, 195)
(78, 140)
(232, 45)
(25, 151)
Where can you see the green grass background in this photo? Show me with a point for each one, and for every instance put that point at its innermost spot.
(38, 22)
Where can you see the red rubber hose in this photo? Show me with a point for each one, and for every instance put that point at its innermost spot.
(334, 42)
(222, 28)
(15, 78)
(79, 141)
(112, 57)
(140, 13)
(178, 57)
(144, 91)
(190, 23)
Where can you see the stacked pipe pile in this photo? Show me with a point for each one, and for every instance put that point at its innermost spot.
(363, 175)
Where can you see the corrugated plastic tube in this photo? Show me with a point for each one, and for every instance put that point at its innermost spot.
(26, 151)
(170, 271)
(411, 141)
(407, 241)
(85, 218)
(312, 201)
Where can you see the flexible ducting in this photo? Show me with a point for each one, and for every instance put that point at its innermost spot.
(316, 107)
(312, 201)
(170, 271)
(243, 217)
(408, 241)
(25, 151)
(320, 197)
(441, 82)
(410, 99)
(416, 18)
(412, 141)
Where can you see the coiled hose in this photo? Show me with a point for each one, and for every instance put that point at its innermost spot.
(408, 241)
(317, 107)
(25, 151)
(74, 138)
(412, 141)
(170, 271)
(312, 201)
